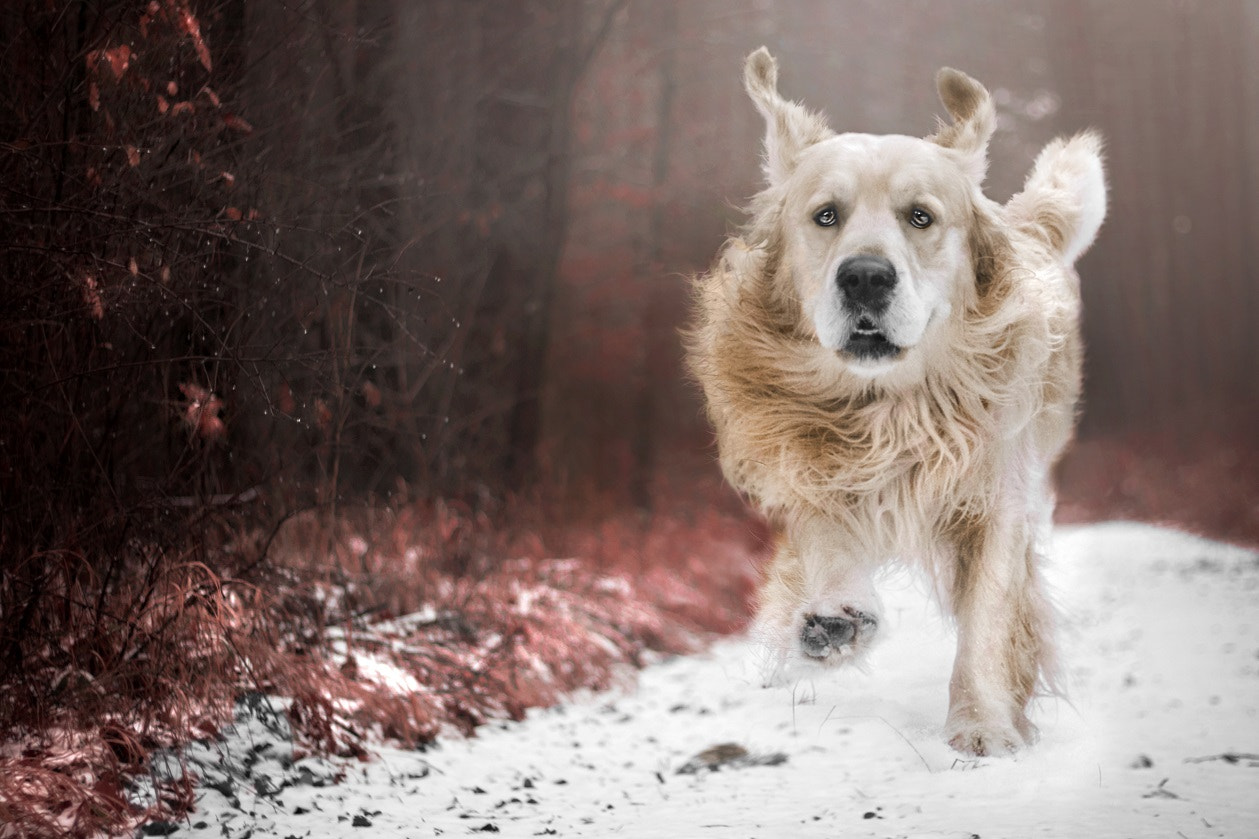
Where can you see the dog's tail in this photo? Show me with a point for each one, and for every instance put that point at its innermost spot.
(1064, 199)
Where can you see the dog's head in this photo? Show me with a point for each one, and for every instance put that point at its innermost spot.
(875, 232)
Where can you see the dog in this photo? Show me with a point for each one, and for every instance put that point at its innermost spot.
(892, 364)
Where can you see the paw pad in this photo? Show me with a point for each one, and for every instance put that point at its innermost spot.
(822, 634)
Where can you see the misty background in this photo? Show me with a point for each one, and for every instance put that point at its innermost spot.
(344, 250)
(423, 249)
(662, 147)
(319, 313)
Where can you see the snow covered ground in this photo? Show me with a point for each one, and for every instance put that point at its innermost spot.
(1160, 641)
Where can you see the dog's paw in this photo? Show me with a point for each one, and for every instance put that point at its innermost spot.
(797, 637)
(985, 738)
(836, 638)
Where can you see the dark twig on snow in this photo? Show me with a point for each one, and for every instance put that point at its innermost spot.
(1161, 791)
(1227, 757)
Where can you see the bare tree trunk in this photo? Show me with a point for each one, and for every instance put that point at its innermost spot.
(655, 351)
(539, 249)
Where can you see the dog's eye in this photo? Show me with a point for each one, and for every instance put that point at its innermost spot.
(920, 218)
(825, 217)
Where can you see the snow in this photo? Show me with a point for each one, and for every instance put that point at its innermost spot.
(1160, 645)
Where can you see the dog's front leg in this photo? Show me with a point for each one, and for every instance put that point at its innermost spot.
(1003, 627)
(817, 603)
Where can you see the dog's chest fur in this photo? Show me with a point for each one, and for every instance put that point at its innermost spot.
(895, 468)
(892, 470)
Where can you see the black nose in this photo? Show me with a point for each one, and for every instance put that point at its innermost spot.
(867, 281)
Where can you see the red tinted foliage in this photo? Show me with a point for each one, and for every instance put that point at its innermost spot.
(1207, 483)
(201, 413)
(431, 615)
(109, 675)
(387, 623)
(39, 799)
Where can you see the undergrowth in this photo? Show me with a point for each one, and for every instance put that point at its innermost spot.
(398, 624)
(233, 385)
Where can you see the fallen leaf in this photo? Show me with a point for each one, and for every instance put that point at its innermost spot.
(237, 123)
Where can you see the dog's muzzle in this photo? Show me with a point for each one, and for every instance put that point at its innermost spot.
(866, 283)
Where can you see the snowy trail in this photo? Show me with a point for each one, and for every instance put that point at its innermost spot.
(1160, 643)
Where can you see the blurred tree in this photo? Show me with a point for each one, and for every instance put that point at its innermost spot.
(1172, 288)
(667, 150)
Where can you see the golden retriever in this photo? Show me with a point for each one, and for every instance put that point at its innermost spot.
(891, 361)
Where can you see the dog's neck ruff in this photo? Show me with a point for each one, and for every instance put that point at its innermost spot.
(796, 435)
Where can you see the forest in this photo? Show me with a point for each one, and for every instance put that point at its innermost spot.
(333, 331)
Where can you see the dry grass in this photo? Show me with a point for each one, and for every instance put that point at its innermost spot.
(400, 624)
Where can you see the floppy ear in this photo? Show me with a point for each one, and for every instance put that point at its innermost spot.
(974, 120)
(790, 128)
(992, 254)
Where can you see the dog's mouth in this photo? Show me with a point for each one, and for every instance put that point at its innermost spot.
(867, 341)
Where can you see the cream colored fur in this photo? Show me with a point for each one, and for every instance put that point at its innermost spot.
(939, 455)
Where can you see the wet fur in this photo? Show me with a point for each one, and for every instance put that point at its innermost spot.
(943, 459)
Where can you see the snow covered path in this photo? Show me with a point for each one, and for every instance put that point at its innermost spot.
(1160, 643)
